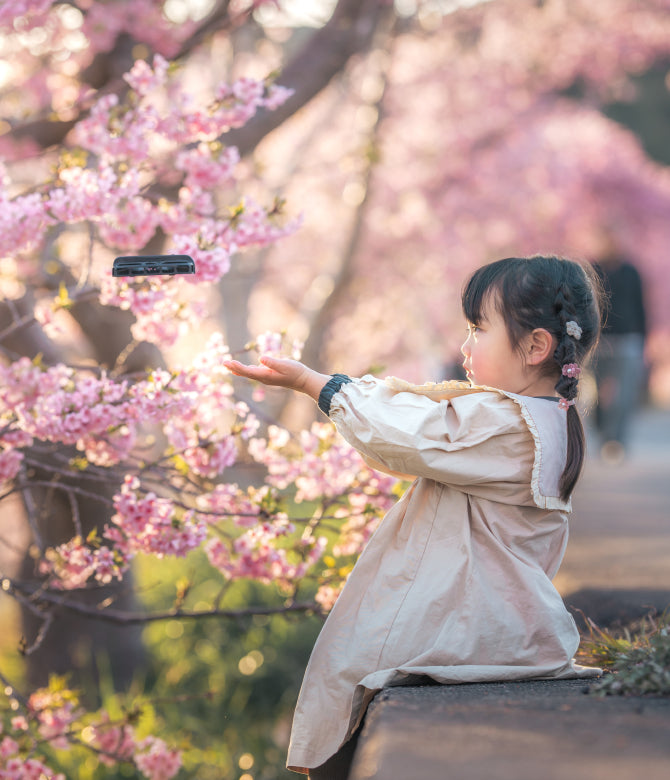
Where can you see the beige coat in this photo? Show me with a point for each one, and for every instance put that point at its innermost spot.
(455, 584)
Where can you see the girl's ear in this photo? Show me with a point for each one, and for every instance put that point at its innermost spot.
(539, 345)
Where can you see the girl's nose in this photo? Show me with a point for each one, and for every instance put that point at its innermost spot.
(465, 348)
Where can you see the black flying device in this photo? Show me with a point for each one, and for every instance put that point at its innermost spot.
(153, 265)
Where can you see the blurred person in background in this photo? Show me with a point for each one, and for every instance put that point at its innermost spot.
(619, 365)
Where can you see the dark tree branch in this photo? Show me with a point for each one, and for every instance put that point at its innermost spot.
(349, 31)
(312, 352)
(45, 600)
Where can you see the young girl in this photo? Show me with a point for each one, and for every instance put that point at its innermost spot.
(455, 585)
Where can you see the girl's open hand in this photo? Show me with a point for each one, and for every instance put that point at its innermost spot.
(281, 372)
(271, 371)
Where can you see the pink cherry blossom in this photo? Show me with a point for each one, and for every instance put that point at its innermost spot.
(23, 222)
(150, 524)
(8, 747)
(71, 565)
(156, 761)
(161, 315)
(10, 463)
(326, 596)
(143, 20)
(110, 449)
(47, 317)
(276, 96)
(11, 10)
(28, 769)
(211, 261)
(87, 193)
(327, 465)
(207, 165)
(19, 723)
(129, 226)
(143, 78)
(115, 743)
(269, 343)
(54, 714)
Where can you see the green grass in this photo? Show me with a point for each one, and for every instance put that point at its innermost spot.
(636, 658)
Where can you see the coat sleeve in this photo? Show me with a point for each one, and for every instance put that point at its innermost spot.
(478, 442)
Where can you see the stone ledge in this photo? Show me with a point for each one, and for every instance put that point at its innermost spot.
(546, 729)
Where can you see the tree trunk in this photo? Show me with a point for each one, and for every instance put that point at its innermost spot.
(81, 647)
(71, 644)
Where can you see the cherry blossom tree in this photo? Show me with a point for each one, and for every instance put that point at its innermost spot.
(397, 149)
(112, 460)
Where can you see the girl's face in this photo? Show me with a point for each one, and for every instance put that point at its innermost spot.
(490, 358)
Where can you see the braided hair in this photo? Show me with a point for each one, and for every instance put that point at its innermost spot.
(561, 296)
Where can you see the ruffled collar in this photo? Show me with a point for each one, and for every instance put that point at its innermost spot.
(545, 421)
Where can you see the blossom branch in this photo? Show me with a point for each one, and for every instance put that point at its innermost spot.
(47, 619)
(123, 617)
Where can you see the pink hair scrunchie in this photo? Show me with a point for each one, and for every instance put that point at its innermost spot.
(571, 370)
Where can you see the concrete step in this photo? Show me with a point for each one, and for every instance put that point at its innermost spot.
(535, 730)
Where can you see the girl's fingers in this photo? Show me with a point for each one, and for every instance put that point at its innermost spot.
(280, 372)
(271, 371)
(233, 365)
(239, 369)
(276, 364)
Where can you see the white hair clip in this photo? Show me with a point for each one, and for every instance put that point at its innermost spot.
(573, 330)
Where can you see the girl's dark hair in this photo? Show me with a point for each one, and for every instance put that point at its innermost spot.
(545, 292)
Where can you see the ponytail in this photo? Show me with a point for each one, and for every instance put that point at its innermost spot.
(574, 460)
(567, 355)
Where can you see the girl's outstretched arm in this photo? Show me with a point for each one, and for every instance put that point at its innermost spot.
(282, 372)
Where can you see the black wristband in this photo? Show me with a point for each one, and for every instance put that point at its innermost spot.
(329, 389)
